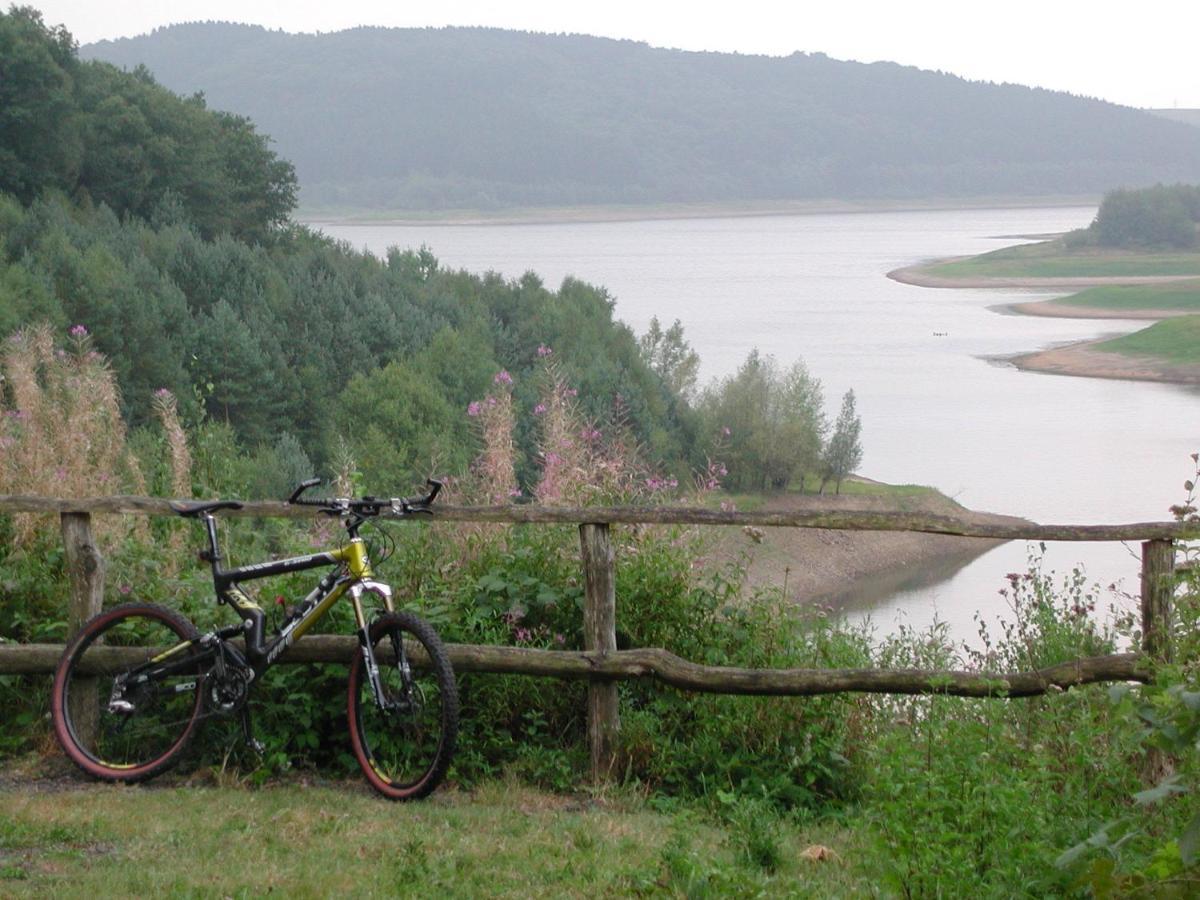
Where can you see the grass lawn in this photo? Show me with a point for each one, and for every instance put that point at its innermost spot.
(499, 841)
(1172, 295)
(1173, 340)
(1051, 259)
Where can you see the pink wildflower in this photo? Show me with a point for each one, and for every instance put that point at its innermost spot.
(539, 409)
(502, 377)
(473, 408)
(78, 331)
(543, 351)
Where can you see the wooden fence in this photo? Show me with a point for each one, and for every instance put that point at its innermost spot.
(603, 665)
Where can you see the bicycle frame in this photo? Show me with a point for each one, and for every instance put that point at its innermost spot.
(353, 576)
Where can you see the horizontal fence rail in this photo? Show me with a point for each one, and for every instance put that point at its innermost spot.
(600, 663)
(836, 519)
(621, 665)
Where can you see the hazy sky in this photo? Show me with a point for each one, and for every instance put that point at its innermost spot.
(1140, 54)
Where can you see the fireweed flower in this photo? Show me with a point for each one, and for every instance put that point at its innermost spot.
(502, 377)
(78, 331)
(543, 351)
(539, 409)
(473, 408)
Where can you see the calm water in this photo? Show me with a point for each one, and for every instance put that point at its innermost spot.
(939, 406)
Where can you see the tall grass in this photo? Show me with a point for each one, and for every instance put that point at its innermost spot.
(61, 427)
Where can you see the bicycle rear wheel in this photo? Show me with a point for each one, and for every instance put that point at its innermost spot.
(405, 747)
(123, 709)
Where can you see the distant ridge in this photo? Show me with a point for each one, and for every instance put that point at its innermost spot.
(474, 118)
(1187, 116)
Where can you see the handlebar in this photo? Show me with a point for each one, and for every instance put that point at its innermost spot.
(367, 507)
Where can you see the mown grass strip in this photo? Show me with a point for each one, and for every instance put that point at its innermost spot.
(499, 841)
(1051, 259)
(1181, 295)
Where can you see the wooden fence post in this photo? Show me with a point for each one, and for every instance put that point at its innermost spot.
(85, 571)
(600, 635)
(1158, 589)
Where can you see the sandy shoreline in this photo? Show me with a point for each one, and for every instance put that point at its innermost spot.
(1082, 360)
(828, 566)
(655, 212)
(1058, 310)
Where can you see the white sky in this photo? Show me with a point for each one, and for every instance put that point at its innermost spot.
(1142, 54)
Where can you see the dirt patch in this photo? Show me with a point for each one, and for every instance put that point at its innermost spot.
(818, 564)
(1084, 361)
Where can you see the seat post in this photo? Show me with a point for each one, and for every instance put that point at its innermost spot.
(214, 555)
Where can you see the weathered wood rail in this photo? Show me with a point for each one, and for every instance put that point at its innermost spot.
(602, 664)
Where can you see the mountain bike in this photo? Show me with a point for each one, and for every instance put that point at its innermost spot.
(137, 680)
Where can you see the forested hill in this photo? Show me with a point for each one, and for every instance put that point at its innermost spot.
(470, 117)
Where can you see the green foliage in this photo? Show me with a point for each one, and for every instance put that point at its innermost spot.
(1154, 845)
(399, 425)
(671, 356)
(41, 146)
(120, 139)
(1159, 216)
(770, 423)
(319, 342)
(842, 453)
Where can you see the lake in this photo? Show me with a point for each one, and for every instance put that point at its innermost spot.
(939, 404)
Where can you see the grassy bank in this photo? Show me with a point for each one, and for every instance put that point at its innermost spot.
(1174, 341)
(1053, 259)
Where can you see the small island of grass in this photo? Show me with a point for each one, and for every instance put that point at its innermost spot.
(1138, 260)
(1139, 236)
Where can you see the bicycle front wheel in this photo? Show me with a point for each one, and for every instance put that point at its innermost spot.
(124, 705)
(404, 745)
